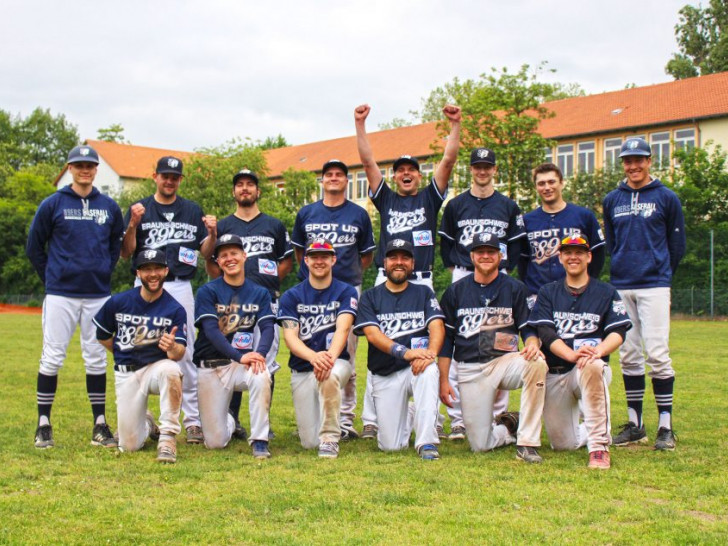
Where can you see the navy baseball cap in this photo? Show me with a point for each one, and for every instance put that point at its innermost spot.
(331, 163)
(169, 165)
(321, 247)
(406, 159)
(484, 239)
(83, 154)
(635, 146)
(229, 239)
(399, 244)
(246, 173)
(578, 241)
(482, 155)
(150, 256)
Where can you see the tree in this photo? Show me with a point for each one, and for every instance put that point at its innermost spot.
(112, 133)
(278, 141)
(395, 124)
(702, 38)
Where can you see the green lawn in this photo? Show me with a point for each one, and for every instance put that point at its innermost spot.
(76, 493)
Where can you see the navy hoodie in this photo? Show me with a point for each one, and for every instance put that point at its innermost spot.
(645, 231)
(74, 243)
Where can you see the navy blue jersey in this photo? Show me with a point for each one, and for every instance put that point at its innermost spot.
(482, 321)
(466, 216)
(237, 310)
(347, 227)
(403, 317)
(545, 231)
(266, 243)
(177, 228)
(74, 243)
(137, 326)
(645, 231)
(583, 319)
(410, 217)
(316, 312)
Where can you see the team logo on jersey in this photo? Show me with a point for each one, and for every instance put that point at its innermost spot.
(316, 318)
(394, 325)
(401, 221)
(471, 227)
(420, 343)
(169, 216)
(172, 162)
(139, 330)
(235, 316)
(618, 307)
(98, 216)
(570, 325)
(256, 245)
(336, 234)
(475, 319)
(422, 238)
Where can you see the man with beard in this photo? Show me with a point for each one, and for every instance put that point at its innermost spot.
(485, 312)
(404, 326)
(269, 259)
(167, 222)
(316, 316)
(145, 329)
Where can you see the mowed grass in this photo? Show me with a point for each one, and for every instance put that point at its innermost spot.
(76, 493)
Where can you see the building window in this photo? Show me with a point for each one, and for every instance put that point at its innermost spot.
(548, 155)
(612, 146)
(565, 158)
(427, 169)
(684, 139)
(350, 187)
(361, 185)
(586, 157)
(660, 144)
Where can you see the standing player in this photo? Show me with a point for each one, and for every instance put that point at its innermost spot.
(145, 329)
(484, 313)
(348, 228)
(269, 259)
(546, 226)
(316, 316)
(580, 322)
(227, 310)
(645, 230)
(165, 221)
(482, 209)
(404, 326)
(73, 244)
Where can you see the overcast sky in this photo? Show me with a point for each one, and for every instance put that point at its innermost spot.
(188, 74)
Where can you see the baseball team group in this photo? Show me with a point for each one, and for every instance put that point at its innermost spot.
(199, 352)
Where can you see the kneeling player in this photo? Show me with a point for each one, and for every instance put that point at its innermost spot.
(316, 316)
(580, 321)
(145, 329)
(226, 313)
(404, 326)
(484, 313)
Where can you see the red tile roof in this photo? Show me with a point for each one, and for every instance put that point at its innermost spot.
(131, 161)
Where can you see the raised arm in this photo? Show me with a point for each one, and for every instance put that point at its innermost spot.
(128, 243)
(374, 176)
(450, 156)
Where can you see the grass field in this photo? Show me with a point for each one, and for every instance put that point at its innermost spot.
(76, 493)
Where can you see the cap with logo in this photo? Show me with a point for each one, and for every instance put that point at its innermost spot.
(578, 241)
(169, 165)
(83, 154)
(331, 163)
(485, 239)
(150, 256)
(482, 155)
(635, 146)
(406, 159)
(245, 173)
(229, 239)
(320, 246)
(399, 245)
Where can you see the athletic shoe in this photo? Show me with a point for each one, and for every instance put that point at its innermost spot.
(260, 449)
(153, 428)
(457, 433)
(348, 433)
(369, 432)
(440, 432)
(194, 435)
(167, 451)
(599, 460)
(239, 433)
(630, 434)
(528, 454)
(271, 434)
(329, 450)
(44, 437)
(510, 420)
(665, 439)
(102, 436)
(428, 452)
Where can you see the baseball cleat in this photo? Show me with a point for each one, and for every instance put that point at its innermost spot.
(102, 436)
(428, 452)
(528, 454)
(239, 433)
(440, 432)
(369, 432)
(167, 451)
(665, 439)
(153, 428)
(348, 433)
(44, 437)
(510, 420)
(630, 434)
(194, 435)
(457, 433)
(260, 449)
(328, 450)
(599, 460)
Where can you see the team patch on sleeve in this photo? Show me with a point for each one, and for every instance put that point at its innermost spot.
(618, 307)
(354, 303)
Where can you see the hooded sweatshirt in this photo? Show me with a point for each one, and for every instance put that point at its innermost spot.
(645, 231)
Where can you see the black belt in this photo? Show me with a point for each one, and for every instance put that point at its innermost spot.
(125, 368)
(560, 370)
(172, 278)
(466, 268)
(214, 363)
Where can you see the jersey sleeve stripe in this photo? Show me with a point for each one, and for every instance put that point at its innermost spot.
(617, 324)
(373, 194)
(433, 317)
(442, 196)
(99, 326)
(542, 321)
(368, 323)
(207, 315)
(287, 317)
(517, 236)
(443, 234)
(368, 249)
